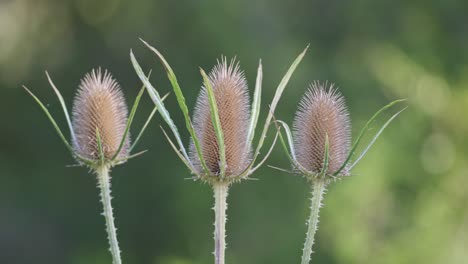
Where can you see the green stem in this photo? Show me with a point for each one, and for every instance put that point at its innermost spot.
(104, 186)
(220, 207)
(318, 190)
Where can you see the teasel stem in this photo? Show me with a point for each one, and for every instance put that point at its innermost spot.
(104, 186)
(318, 189)
(220, 207)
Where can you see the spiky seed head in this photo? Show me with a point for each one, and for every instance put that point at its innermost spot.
(99, 105)
(232, 99)
(322, 111)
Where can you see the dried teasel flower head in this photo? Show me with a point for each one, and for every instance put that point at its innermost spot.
(99, 109)
(232, 99)
(322, 112)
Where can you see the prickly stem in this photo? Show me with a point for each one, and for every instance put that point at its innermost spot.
(220, 207)
(104, 186)
(318, 189)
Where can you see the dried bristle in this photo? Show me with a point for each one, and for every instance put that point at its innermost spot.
(99, 105)
(322, 112)
(232, 98)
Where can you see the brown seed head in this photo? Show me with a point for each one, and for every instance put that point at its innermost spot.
(99, 105)
(232, 98)
(322, 112)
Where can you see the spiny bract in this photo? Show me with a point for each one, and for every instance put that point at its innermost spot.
(232, 99)
(322, 111)
(99, 106)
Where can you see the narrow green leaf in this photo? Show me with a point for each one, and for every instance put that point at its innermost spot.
(216, 122)
(131, 156)
(175, 85)
(186, 162)
(325, 157)
(276, 98)
(74, 165)
(285, 148)
(292, 156)
(84, 160)
(375, 138)
(255, 105)
(130, 120)
(159, 104)
(289, 137)
(88, 162)
(182, 105)
(267, 155)
(251, 169)
(280, 169)
(51, 119)
(363, 131)
(64, 106)
(181, 101)
(148, 120)
(140, 134)
(169, 71)
(99, 142)
(137, 154)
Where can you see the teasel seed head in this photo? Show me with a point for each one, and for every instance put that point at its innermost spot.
(99, 108)
(232, 99)
(322, 112)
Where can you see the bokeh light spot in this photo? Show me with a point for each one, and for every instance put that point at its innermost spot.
(438, 153)
(432, 94)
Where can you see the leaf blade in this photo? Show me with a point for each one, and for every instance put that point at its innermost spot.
(216, 122)
(148, 120)
(267, 155)
(363, 131)
(100, 148)
(130, 120)
(186, 162)
(51, 119)
(325, 157)
(156, 98)
(64, 106)
(375, 138)
(255, 105)
(276, 98)
(182, 105)
(291, 157)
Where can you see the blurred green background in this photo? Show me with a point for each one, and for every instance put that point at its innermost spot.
(407, 202)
